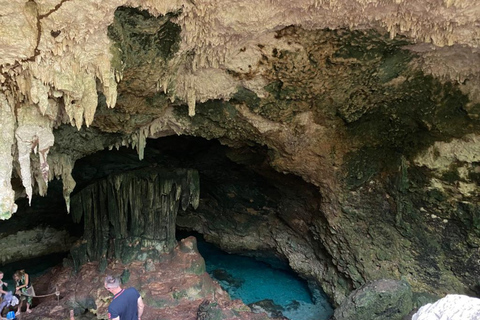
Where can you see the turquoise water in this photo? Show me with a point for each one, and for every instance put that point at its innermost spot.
(250, 280)
(244, 278)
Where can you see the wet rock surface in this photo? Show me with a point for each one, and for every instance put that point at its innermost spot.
(268, 306)
(378, 300)
(176, 288)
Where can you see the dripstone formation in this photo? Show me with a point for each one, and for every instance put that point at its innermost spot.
(338, 136)
(131, 216)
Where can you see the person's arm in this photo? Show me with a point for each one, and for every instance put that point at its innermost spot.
(140, 306)
(26, 282)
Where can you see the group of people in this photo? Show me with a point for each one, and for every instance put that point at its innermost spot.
(24, 292)
(127, 304)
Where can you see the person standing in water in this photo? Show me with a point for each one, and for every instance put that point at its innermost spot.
(127, 304)
(23, 288)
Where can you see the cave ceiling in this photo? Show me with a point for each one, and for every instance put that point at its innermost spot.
(375, 103)
(256, 71)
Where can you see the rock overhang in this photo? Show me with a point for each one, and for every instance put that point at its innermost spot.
(330, 88)
(191, 52)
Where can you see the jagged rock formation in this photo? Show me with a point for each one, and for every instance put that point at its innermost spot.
(172, 289)
(375, 104)
(54, 52)
(132, 215)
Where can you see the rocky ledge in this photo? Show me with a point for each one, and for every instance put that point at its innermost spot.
(176, 287)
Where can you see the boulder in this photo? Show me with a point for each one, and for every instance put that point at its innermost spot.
(377, 300)
(451, 307)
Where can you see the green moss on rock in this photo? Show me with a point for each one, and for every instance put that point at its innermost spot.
(378, 300)
(140, 37)
(367, 163)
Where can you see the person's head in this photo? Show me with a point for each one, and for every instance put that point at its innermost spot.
(112, 283)
(18, 274)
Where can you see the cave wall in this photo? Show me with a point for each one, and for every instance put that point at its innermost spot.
(374, 104)
(394, 159)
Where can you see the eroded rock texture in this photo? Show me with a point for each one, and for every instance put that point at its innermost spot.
(132, 216)
(176, 288)
(364, 112)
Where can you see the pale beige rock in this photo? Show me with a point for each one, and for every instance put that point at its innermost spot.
(450, 307)
(33, 139)
(7, 195)
(458, 63)
(18, 31)
(61, 166)
(442, 154)
(52, 50)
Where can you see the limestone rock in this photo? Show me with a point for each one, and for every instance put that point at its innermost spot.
(53, 53)
(377, 300)
(7, 124)
(451, 307)
(131, 215)
(38, 242)
(366, 101)
(171, 290)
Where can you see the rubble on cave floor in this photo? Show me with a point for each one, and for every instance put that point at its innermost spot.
(174, 287)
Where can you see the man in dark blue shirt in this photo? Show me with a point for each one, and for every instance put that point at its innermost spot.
(127, 304)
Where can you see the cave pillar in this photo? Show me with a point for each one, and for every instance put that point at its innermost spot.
(132, 215)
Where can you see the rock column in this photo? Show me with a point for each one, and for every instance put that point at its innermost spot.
(131, 216)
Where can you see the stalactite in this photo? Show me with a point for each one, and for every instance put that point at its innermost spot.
(142, 142)
(134, 210)
(190, 93)
(7, 125)
(39, 94)
(191, 190)
(61, 166)
(36, 139)
(37, 176)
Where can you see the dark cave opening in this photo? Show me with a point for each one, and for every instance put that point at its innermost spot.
(241, 196)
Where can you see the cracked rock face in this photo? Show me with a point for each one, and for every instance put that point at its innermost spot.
(373, 104)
